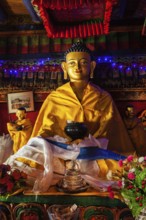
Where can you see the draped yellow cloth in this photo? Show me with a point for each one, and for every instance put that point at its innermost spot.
(97, 110)
(20, 138)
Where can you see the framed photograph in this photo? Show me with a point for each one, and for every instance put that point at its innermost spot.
(20, 99)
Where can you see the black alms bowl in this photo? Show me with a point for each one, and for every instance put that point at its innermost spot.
(76, 130)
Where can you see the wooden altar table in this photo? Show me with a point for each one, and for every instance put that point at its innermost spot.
(91, 204)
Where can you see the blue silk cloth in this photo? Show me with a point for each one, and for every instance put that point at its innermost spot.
(90, 153)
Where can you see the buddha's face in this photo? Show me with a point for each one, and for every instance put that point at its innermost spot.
(21, 114)
(78, 66)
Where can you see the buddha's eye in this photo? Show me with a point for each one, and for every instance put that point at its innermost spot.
(72, 63)
(84, 62)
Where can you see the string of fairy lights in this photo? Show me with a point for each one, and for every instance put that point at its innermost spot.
(50, 68)
(48, 64)
(125, 62)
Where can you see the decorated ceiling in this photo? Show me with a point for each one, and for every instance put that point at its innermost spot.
(74, 18)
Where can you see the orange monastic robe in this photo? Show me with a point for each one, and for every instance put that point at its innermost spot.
(97, 110)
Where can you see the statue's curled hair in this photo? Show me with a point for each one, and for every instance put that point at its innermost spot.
(79, 47)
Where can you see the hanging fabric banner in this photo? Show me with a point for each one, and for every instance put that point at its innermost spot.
(72, 19)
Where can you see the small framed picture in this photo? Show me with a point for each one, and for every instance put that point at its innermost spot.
(20, 99)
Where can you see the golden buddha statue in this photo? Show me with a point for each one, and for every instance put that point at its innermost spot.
(80, 101)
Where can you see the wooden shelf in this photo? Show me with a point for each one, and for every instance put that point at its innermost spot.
(128, 94)
(39, 96)
(120, 94)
